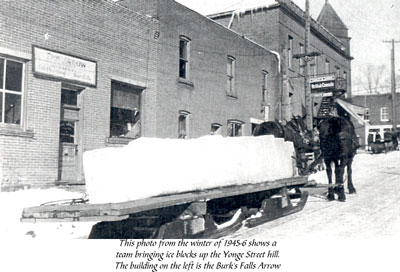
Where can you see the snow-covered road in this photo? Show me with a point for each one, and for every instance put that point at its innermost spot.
(373, 212)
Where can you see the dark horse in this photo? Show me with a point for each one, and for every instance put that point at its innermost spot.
(338, 143)
(294, 131)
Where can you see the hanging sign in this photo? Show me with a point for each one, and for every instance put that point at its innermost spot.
(322, 84)
(64, 67)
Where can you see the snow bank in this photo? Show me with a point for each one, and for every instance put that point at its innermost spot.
(149, 166)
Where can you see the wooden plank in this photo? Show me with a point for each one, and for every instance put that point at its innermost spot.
(119, 210)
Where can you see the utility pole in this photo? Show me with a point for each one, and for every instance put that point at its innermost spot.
(307, 57)
(393, 85)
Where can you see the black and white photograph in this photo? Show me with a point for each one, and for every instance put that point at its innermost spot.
(199, 135)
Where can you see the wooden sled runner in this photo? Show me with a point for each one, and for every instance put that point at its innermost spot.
(210, 213)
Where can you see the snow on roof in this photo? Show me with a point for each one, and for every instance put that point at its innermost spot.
(253, 5)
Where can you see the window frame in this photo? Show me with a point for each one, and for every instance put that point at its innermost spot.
(290, 52)
(134, 90)
(301, 60)
(4, 91)
(217, 131)
(384, 113)
(184, 56)
(231, 76)
(186, 115)
(234, 123)
(327, 66)
(265, 75)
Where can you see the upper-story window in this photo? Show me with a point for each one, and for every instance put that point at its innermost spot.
(366, 115)
(183, 124)
(11, 88)
(313, 65)
(231, 90)
(290, 51)
(184, 57)
(265, 87)
(327, 66)
(235, 128)
(337, 72)
(301, 60)
(345, 75)
(384, 114)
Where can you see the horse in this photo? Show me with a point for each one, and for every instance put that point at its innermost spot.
(338, 144)
(293, 131)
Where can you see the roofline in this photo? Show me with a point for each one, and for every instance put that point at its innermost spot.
(314, 24)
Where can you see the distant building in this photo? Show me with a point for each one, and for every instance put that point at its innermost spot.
(280, 26)
(378, 115)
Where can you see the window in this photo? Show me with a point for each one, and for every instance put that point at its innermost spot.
(313, 66)
(384, 114)
(345, 75)
(216, 129)
(184, 55)
(125, 111)
(290, 51)
(11, 82)
(265, 87)
(235, 128)
(301, 60)
(183, 124)
(327, 66)
(337, 72)
(366, 115)
(231, 76)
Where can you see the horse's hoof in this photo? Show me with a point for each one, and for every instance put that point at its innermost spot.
(352, 191)
(342, 199)
(330, 197)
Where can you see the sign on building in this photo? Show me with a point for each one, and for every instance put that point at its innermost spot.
(322, 84)
(64, 67)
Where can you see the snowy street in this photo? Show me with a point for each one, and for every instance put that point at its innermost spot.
(371, 213)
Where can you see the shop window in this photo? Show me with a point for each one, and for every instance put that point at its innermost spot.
(384, 114)
(125, 111)
(231, 91)
(184, 57)
(265, 87)
(11, 82)
(290, 51)
(235, 128)
(216, 129)
(183, 124)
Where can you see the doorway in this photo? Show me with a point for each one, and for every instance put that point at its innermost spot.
(70, 155)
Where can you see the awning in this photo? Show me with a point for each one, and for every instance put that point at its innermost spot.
(353, 110)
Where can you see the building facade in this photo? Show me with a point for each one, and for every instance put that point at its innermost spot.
(378, 116)
(67, 72)
(280, 26)
(81, 75)
(210, 79)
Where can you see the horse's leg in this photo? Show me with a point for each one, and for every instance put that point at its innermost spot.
(339, 171)
(350, 185)
(331, 195)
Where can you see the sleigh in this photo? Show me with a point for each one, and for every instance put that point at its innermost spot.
(208, 213)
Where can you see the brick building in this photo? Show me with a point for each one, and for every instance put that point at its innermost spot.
(81, 75)
(378, 115)
(67, 70)
(280, 26)
(210, 79)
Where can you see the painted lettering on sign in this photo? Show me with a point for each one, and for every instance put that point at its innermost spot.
(63, 66)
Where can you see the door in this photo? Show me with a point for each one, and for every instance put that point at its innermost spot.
(69, 170)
